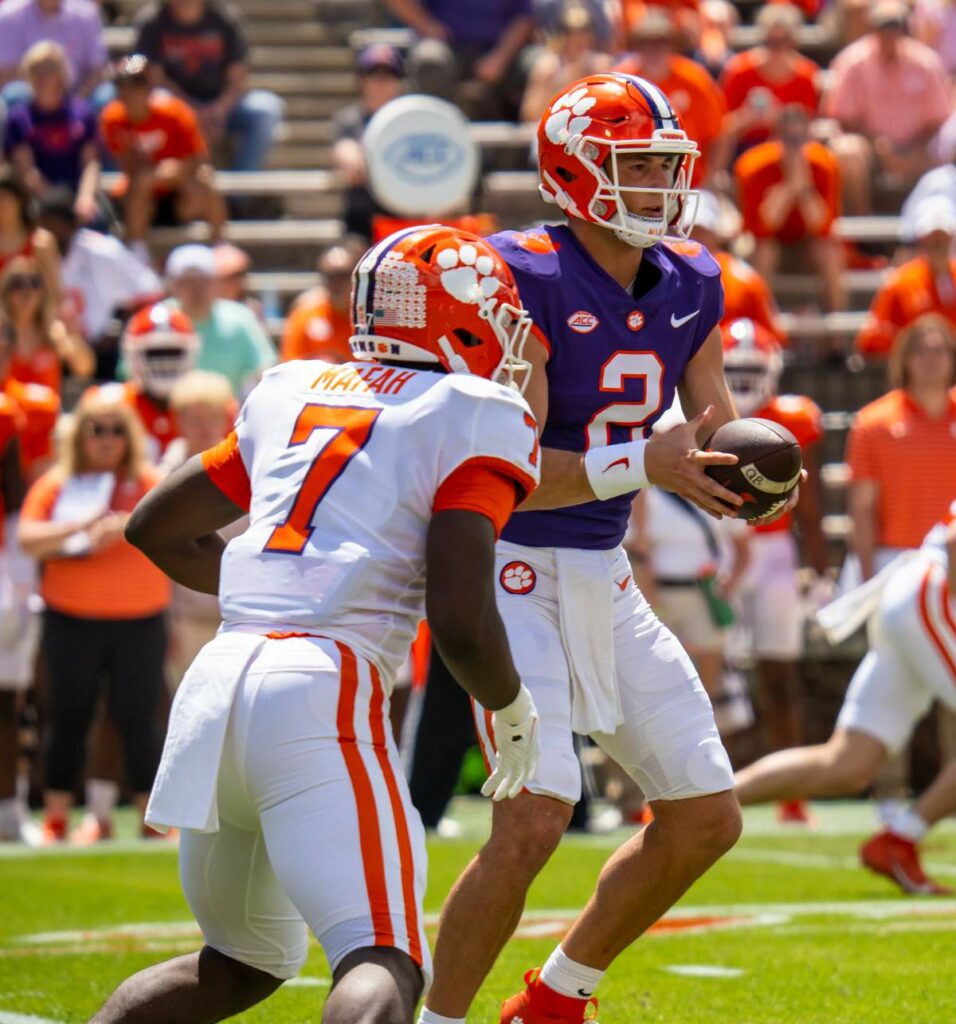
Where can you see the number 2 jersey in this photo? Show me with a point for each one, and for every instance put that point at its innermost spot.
(615, 359)
(341, 469)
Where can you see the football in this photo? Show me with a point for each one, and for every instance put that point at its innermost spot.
(769, 466)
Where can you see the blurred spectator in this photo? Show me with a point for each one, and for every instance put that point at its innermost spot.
(19, 235)
(163, 156)
(902, 448)
(380, 69)
(940, 182)
(718, 18)
(571, 55)
(768, 599)
(38, 409)
(205, 409)
(75, 25)
(470, 42)
(789, 193)
(197, 51)
(927, 283)
(232, 277)
(747, 295)
(934, 23)
(683, 13)
(320, 323)
(891, 94)
(692, 92)
(18, 632)
(756, 82)
(44, 345)
(102, 283)
(159, 347)
(52, 139)
(549, 16)
(231, 340)
(104, 601)
(687, 567)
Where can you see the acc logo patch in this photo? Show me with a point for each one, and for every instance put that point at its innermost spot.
(582, 322)
(518, 578)
(635, 320)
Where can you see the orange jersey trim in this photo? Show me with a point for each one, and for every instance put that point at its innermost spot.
(224, 467)
(525, 481)
(934, 636)
(476, 488)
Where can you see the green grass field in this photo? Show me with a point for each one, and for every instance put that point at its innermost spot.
(785, 930)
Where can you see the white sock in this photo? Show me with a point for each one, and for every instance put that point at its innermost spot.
(569, 978)
(430, 1017)
(908, 824)
(101, 797)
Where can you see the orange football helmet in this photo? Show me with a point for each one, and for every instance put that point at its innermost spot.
(159, 345)
(442, 296)
(582, 136)
(752, 364)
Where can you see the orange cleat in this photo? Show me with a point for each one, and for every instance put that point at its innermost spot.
(539, 1004)
(795, 812)
(52, 831)
(898, 859)
(91, 831)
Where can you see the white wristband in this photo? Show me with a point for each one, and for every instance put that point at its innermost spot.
(519, 709)
(616, 469)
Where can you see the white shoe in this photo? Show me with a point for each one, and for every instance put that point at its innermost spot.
(448, 828)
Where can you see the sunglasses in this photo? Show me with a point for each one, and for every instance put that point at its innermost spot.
(24, 282)
(105, 429)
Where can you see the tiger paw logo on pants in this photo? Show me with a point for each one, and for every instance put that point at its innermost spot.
(517, 578)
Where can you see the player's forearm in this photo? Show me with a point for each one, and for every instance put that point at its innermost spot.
(564, 482)
(480, 660)
(194, 564)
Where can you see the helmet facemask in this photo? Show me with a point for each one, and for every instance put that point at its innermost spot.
(752, 383)
(158, 362)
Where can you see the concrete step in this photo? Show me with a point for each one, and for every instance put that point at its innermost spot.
(269, 59)
(298, 83)
(308, 157)
(305, 131)
(312, 107)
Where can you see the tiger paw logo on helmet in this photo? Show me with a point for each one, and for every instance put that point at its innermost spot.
(466, 276)
(567, 115)
(518, 578)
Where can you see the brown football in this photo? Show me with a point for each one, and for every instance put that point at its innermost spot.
(769, 466)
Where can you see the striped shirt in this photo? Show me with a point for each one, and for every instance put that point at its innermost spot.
(912, 457)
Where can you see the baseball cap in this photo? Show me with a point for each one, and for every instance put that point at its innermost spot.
(934, 213)
(191, 259)
(889, 12)
(380, 56)
(230, 259)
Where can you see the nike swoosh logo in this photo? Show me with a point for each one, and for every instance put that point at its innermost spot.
(625, 462)
(583, 994)
(679, 322)
(622, 584)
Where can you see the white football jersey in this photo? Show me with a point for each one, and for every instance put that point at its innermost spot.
(344, 463)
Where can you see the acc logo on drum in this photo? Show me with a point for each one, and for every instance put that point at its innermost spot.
(518, 578)
(583, 322)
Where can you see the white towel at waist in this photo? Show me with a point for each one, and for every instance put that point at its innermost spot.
(842, 617)
(586, 614)
(184, 793)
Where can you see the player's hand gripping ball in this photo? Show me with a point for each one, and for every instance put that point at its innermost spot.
(768, 468)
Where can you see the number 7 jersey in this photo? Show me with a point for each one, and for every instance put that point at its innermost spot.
(614, 360)
(341, 468)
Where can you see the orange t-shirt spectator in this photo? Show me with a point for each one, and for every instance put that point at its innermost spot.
(170, 130)
(694, 95)
(758, 81)
(925, 284)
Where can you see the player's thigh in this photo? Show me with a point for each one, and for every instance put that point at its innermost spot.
(668, 742)
(534, 635)
(885, 698)
(237, 900)
(323, 771)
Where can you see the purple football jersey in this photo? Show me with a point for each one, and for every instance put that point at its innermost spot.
(615, 360)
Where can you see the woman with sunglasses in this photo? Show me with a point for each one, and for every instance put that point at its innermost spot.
(43, 343)
(105, 602)
(19, 234)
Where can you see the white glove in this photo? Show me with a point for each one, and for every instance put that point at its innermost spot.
(516, 741)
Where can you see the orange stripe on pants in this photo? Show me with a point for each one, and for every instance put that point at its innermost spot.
(476, 712)
(930, 628)
(370, 835)
(406, 859)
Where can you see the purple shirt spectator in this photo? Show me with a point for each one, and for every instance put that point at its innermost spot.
(75, 25)
(478, 23)
(56, 137)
